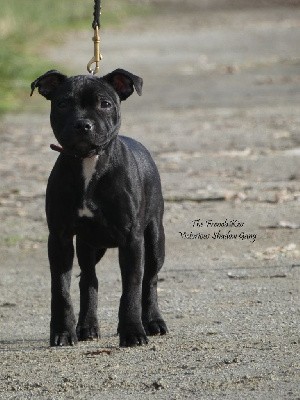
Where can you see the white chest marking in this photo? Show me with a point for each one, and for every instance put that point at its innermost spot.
(88, 170)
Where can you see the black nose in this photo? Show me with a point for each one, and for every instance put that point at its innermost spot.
(84, 125)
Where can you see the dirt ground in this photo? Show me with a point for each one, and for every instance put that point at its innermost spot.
(220, 114)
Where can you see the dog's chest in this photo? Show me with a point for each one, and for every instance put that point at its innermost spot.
(89, 166)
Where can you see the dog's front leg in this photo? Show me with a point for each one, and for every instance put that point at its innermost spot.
(62, 326)
(131, 330)
(88, 257)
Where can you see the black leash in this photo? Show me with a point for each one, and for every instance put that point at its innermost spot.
(97, 13)
(96, 39)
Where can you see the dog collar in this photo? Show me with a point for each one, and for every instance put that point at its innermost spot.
(98, 151)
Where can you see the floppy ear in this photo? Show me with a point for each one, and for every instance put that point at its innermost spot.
(124, 83)
(47, 83)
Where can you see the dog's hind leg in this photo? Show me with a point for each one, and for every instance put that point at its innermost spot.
(88, 326)
(154, 259)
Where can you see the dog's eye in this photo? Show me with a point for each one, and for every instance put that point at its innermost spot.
(105, 104)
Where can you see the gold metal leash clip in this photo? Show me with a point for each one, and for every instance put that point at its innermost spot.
(97, 55)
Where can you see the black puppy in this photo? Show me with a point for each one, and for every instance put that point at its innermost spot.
(106, 190)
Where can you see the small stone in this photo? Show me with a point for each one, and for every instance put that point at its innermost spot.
(158, 384)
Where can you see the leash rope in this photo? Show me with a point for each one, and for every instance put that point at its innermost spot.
(96, 39)
(97, 13)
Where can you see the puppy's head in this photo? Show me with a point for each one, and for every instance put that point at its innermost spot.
(85, 110)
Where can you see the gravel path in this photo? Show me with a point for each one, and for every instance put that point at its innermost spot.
(220, 114)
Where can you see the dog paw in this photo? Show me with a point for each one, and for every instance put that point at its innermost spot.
(88, 332)
(132, 335)
(155, 327)
(65, 338)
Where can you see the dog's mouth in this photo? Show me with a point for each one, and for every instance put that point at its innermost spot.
(83, 148)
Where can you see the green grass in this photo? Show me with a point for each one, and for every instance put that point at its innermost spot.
(11, 241)
(28, 25)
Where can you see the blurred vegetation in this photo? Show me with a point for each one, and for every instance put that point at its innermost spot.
(27, 25)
